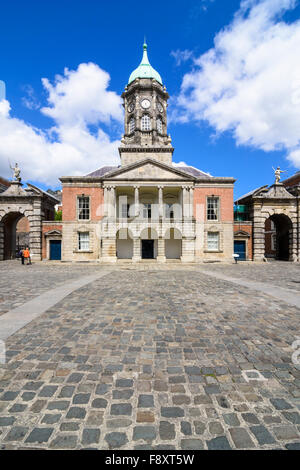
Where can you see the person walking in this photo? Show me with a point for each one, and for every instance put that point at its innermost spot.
(21, 253)
(27, 255)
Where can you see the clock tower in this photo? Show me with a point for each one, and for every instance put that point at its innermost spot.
(145, 101)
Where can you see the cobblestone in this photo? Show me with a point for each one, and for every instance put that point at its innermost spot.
(153, 358)
(218, 443)
(40, 435)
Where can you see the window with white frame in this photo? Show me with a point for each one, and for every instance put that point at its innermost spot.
(147, 211)
(125, 211)
(83, 241)
(159, 125)
(213, 241)
(169, 211)
(83, 208)
(213, 204)
(131, 125)
(146, 123)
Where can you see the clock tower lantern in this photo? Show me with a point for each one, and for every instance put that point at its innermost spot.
(145, 102)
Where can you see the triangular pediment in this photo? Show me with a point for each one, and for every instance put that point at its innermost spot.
(53, 232)
(149, 169)
(15, 189)
(276, 191)
(241, 233)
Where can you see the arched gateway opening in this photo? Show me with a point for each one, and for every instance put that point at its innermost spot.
(278, 237)
(16, 230)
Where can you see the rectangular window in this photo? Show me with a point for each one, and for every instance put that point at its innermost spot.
(159, 126)
(146, 123)
(83, 241)
(213, 241)
(213, 208)
(147, 211)
(169, 211)
(125, 211)
(83, 208)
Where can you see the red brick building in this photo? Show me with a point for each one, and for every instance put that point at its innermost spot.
(147, 207)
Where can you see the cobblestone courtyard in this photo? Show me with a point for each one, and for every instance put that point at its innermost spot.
(152, 358)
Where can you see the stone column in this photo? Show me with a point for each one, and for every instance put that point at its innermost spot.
(1, 241)
(160, 201)
(35, 235)
(161, 255)
(136, 201)
(293, 241)
(106, 196)
(136, 250)
(258, 235)
(113, 202)
(184, 202)
(191, 211)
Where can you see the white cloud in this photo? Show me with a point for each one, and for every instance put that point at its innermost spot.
(249, 83)
(81, 97)
(30, 100)
(294, 157)
(76, 101)
(181, 56)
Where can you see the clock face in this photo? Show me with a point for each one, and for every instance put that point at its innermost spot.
(145, 103)
(160, 107)
(131, 107)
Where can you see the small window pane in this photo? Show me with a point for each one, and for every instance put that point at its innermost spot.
(212, 208)
(212, 241)
(131, 125)
(147, 211)
(169, 211)
(159, 125)
(83, 208)
(125, 211)
(83, 241)
(146, 123)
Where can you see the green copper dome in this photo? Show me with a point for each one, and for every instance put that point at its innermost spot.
(145, 70)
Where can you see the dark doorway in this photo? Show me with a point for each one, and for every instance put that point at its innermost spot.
(16, 234)
(55, 250)
(148, 249)
(278, 238)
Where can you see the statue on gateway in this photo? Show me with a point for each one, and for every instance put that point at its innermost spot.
(278, 174)
(17, 172)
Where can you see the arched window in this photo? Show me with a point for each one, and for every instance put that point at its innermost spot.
(131, 125)
(146, 123)
(159, 125)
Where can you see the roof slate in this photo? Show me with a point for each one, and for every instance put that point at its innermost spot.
(190, 170)
(102, 171)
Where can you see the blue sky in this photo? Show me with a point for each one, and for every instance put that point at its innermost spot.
(232, 112)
